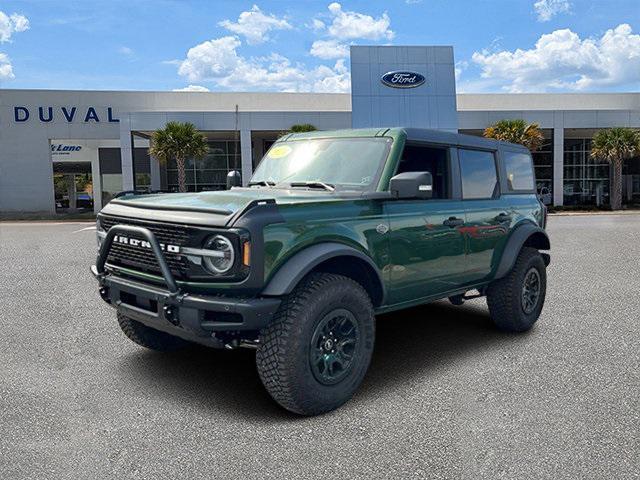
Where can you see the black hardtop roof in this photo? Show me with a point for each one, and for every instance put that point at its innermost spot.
(458, 139)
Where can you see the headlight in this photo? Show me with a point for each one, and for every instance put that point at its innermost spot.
(220, 254)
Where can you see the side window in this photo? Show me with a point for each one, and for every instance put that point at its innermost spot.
(519, 168)
(478, 171)
(416, 158)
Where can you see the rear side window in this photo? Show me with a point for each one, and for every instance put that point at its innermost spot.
(478, 171)
(519, 169)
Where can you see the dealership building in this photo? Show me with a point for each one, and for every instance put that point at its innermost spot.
(69, 151)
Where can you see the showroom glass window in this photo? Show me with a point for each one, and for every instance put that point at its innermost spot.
(209, 173)
(543, 164)
(479, 175)
(586, 179)
(519, 171)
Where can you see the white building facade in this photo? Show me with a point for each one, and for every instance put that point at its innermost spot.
(71, 151)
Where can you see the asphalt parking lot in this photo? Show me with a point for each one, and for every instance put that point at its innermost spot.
(447, 396)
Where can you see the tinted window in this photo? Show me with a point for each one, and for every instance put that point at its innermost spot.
(519, 171)
(478, 171)
(427, 159)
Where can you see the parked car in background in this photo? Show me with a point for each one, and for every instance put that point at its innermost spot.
(545, 196)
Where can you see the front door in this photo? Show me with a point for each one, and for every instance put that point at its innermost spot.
(427, 249)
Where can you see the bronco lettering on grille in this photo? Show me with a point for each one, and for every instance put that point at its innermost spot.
(134, 242)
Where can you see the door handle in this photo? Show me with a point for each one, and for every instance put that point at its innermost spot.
(503, 217)
(453, 222)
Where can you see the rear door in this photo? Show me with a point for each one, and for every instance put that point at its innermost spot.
(488, 213)
(427, 247)
(519, 185)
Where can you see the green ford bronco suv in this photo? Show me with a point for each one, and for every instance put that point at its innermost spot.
(334, 228)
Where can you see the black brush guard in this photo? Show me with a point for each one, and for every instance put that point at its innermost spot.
(185, 315)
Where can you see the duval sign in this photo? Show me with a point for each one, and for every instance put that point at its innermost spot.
(67, 114)
(402, 79)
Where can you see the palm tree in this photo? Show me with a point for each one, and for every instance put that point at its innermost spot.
(615, 145)
(178, 141)
(302, 127)
(516, 131)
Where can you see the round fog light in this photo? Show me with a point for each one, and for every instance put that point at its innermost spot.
(222, 254)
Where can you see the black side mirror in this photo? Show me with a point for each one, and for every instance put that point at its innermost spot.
(234, 179)
(412, 185)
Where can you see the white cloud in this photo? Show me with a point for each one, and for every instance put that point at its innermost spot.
(347, 26)
(317, 25)
(547, 9)
(211, 59)
(254, 25)
(561, 60)
(218, 61)
(460, 67)
(10, 24)
(329, 49)
(351, 25)
(6, 70)
(126, 51)
(192, 88)
(412, 2)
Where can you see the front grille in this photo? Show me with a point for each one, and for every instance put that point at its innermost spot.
(143, 259)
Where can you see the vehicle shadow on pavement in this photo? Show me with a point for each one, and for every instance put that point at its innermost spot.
(414, 342)
(409, 344)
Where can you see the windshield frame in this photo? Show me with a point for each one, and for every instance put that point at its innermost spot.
(375, 179)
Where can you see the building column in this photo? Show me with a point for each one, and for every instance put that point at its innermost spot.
(245, 156)
(96, 180)
(558, 163)
(71, 191)
(126, 154)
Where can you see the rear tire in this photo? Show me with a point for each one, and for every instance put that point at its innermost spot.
(316, 351)
(149, 337)
(515, 301)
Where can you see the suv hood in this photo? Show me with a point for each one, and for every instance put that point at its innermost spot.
(217, 208)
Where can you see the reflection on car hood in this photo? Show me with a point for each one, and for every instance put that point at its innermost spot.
(220, 206)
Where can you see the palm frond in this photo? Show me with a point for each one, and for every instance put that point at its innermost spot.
(616, 144)
(516, 131)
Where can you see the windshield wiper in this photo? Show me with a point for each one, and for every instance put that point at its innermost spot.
(264, 183)
(326, 186)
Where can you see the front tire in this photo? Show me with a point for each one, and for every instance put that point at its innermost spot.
(148, 337)
(515, 301)
(316, 351)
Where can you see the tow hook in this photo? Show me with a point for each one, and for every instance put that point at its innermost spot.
(171, 315)
(104, 294)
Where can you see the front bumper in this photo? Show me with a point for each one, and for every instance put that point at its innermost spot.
(189, 316)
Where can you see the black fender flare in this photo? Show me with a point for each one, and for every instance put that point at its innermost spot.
(524, 234)
(303, 262)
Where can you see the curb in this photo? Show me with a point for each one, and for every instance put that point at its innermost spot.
(618, 212)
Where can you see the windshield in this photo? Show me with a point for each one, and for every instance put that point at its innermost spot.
(346, 163)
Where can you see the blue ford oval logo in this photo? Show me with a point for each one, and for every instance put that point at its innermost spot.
(402, 79)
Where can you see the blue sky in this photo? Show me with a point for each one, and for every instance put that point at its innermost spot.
(500, 45)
